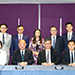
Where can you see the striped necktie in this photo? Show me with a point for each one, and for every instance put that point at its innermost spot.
(22, 57)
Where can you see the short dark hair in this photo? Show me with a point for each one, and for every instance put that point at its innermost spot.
(54, 27)
(71, 41)
(4, 24)
(47, 40)
(68, 23)
(20, 26)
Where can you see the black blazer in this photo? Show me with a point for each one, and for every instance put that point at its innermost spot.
(59, 46)
(27, 58)
(42, 57)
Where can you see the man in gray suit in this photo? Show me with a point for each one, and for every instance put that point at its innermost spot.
(5, 38)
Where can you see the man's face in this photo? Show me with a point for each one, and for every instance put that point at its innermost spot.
(71, 46)
(20, 30)
(3, 29)
(47, 44)
(53, 31)
(69, 27)
(22, 44)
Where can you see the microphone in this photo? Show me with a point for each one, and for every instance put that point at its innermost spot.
(19, 67)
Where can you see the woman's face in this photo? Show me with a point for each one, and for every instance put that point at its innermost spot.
(37, 33)
(0, 46)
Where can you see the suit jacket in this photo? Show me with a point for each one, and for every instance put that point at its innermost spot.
(59, 46)
(66, 57)
(28, 57)
(15, 42)
(66, 40)
(7, 45)
(42, 57)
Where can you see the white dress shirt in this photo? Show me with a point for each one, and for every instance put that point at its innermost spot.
(3, 60)
(19, 36)
(49, 55)
(69, 35)
(71, 56)
(53, 39)
(23, 52)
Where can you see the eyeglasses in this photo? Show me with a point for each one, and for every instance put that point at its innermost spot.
(53, 30)
(20, 29)
(47, 43)
(3, 28)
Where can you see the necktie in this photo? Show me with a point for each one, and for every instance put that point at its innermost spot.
(3, 39)
(53, 42)
(20, 38)
(72, 57)
(22, 57)
(47, 56)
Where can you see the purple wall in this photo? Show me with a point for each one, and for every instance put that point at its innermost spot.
(50, 16)
(68, 14)
(28, 14)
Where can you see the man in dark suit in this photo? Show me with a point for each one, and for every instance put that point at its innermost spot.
(69, 55)
(48, 56)
(22, 56)
(57, 42)
(69, 35)
(17, 38)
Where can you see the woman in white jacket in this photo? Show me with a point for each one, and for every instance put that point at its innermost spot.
(3, 60)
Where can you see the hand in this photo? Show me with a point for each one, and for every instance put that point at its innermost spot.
(36, 53)
(72, 64)
(45, 64)
(50, 64)
(22, 64)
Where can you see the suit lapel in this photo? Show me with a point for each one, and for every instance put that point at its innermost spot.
(74, 56)
(19, 54)
(72, 35)
(45, 55)
(23, 36)
(17, 38)
(56, 41)
(69, 56)
(25, 54)
(66, 37)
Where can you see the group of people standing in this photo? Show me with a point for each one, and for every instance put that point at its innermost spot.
(54, 49)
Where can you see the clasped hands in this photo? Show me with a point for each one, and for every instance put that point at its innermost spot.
(22, 63)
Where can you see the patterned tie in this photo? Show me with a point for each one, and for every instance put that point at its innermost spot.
(3, 39)
(72, 57)
(22, 57)
(47, 56)
(20, 38)
(53, 42)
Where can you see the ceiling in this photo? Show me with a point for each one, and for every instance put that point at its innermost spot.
(36, 1)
